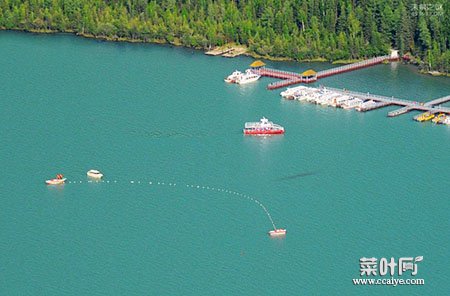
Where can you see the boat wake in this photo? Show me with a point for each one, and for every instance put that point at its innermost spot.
(156, 134)
(296, 176)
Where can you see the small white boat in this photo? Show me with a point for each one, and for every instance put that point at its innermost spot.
(327, 99)
(57, 181)
(366, 105)
(248, 77)
(95, 174)
(277, 232)
(233, 77)
(290, 93)
(353, 103)
(341, 100)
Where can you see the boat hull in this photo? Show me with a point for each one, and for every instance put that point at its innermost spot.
(55, 181)
(95, 176)
(261, 132)
(247, 81)
(277, 232)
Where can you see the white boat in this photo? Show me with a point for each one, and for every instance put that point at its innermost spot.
(339, 101)
(263, 127)
(312, 97)
(446, 120)
(300, 96)
(95, 174)
(328, 99)
(57, 181)
(277, 232)
(233, 77)
(290, 93)
(353, 103)
(366, 105)
(248, 77)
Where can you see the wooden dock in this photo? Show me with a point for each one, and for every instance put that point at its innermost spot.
(291, 78)
(228, 51)
(354, 66)
(218, 51)
(234, 52)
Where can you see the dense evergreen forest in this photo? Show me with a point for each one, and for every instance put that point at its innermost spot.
(297, 29)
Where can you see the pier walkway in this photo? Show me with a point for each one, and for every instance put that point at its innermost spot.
(291, 78)
(432, 106)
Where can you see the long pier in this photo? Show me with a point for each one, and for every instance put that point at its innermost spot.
(432, 106)
(291, 78)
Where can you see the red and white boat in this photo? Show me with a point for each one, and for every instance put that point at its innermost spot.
(277, 232)
(57, 181)
(263, 127)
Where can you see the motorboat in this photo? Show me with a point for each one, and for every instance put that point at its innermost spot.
(425, 116)
(341, 100)
(446, 120)
(95, 174)
(56, 181)
(439, 118)
(353, 103)
(233, 77)
(290, 93)
(263, 127)
(277, 232)
(248, 77)
(366, 105)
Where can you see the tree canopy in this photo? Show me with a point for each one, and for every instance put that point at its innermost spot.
(297, 29)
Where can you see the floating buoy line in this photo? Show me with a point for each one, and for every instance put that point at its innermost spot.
(272, 233)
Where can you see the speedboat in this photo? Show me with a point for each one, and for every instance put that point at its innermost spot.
(248, 77)
(57, 181)
(233, 77)
(341, 100)
(94, 174)
(425, 116)
(352, 103)
(439, 118)
(290, 93)
(263, 127)
(446, 120)
(366, 105)
(277, 232)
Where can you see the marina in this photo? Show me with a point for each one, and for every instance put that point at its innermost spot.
(364, 102)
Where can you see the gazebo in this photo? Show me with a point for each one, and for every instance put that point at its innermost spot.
(257, 64)
(309, 74)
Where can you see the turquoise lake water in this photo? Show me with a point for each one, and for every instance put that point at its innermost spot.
(345, 184)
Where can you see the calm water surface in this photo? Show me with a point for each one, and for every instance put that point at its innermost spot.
(346, 185)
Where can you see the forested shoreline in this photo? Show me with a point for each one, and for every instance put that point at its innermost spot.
(294, 29)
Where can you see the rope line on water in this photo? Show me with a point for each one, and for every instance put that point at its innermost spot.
(269, 216)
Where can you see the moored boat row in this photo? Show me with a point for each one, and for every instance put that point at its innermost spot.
(324, 97)
(440, 118)
(350, 100)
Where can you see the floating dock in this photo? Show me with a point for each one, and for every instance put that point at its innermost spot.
(377, 101)
(432, 106)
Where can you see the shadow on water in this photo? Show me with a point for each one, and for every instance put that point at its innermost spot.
(296, 176)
